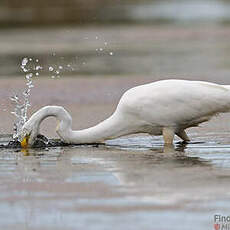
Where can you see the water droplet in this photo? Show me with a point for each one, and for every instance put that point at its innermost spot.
(37, 74)
(60, 67)
(14, 98)
(101, 49)
(30, 59)
(29, 75)
(51, 68)
(24, 61)
(111, 53)
(105, 43)
(24, 69)
(52, 77)
(57, 72)
(38, 67)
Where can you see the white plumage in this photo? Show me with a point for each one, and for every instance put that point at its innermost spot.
(166, 107)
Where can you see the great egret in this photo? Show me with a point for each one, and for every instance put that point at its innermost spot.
(166, 107)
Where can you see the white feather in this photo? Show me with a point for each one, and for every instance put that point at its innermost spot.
(165, 107)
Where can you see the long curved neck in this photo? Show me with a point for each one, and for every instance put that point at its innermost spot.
(112, 127)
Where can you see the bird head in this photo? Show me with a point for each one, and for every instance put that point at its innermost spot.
(28, 134)
(25, 142)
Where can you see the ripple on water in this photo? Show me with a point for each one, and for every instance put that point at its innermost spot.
(216, 153)
(130, 181)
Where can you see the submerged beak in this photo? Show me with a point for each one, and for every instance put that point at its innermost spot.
(25, 142)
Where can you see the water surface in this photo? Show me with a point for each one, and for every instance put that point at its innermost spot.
(130, 183)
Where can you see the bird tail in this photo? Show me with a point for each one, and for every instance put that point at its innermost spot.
(227, 87)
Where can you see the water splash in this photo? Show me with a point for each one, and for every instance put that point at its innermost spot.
(22, 103)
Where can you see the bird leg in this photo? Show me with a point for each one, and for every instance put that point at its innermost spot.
(168, 135)
(182, 134)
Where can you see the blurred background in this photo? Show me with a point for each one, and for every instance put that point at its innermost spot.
(52, 12)
(128, 37)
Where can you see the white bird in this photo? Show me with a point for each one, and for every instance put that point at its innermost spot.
(166, 107)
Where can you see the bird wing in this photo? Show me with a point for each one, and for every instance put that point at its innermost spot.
(176, 102)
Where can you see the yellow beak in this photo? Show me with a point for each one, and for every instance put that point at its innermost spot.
(24, 142)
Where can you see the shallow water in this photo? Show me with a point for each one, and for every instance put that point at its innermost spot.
(130, 183)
